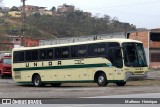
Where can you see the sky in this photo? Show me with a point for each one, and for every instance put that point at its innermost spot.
(142, 13)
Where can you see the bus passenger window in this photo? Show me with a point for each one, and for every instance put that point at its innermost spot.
(18, 56)
(82, 52)
(35, 55)
(65, 52)
(49, 53)
(42, 54)
(28, 55)
(74, 51)
(58, 53)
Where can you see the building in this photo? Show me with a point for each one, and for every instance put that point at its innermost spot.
(15, 14)
(81, 38)
(44, 11)
(30, 10)
(65, 8)
(7, 43)
(151, 41)
(31, 42)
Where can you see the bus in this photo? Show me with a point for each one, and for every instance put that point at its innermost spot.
(99, 61)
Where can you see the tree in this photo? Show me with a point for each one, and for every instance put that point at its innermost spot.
(53, 9)
(14, 8)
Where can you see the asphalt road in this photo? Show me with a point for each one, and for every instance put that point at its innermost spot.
(9, 89)
(76, 95)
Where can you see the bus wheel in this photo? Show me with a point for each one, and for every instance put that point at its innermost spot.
(120, 83)
(101, 79)
(37, 81)
(56, 84)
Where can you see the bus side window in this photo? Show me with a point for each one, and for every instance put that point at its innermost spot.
(18, 56)
(115, 54)
(49, 54)
(31, 55)
(82, 51)
(58, 53)
(42, 54)
(91, 48)
(34, 55)
(65, 52)
(100, 49)
(97, 49)
(28, 55)
(74, 51)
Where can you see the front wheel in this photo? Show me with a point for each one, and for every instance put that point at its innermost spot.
(101, 79)
(37, 81)
(120, 83)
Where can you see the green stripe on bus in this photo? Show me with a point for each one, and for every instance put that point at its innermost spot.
(61, 67)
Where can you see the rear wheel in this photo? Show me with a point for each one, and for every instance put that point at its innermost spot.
(101, 79)
(56, 84)
(120, 83)
(37, 81)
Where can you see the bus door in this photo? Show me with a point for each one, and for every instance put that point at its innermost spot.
(115, 56)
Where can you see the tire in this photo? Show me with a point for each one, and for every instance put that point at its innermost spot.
(56, 84)
(101, 79)
(37, 81)
(120, 83)
(1, 75)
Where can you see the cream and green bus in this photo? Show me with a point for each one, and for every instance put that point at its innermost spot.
(100, 61)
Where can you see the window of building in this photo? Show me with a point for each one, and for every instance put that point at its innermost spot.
(155, 57)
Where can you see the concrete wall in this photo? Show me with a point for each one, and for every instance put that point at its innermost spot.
(81, 38)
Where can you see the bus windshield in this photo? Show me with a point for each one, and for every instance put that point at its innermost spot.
(134, 55)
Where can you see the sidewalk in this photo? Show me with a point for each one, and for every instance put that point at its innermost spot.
(154, 74)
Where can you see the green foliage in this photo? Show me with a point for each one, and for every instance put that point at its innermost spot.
(53, 8)
(69, 24)
(78, 24)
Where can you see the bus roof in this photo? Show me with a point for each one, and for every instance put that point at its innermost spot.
(119, 40)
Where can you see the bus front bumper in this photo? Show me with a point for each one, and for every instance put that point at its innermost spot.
(131, 76)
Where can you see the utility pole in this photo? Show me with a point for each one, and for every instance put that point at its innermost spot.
(24, 18)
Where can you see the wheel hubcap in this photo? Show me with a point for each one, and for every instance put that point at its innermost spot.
(100, 79)
(36, 82)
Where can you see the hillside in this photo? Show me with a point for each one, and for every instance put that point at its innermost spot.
(70, 24)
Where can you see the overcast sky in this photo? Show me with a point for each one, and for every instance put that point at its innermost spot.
(142, 13)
